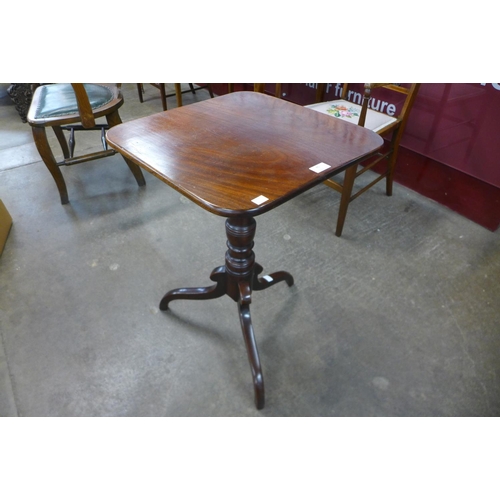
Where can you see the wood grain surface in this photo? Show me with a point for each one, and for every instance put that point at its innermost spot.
(225, 152)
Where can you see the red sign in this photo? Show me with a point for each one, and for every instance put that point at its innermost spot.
(457, 124)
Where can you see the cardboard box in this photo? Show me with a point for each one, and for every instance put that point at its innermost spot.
(5, 225)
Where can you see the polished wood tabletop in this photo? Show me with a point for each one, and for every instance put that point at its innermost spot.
(238, 156)
(242, 153)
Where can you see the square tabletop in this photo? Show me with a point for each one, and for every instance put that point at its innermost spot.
(242, 153)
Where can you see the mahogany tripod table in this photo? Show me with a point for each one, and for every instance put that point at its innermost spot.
(239, 156)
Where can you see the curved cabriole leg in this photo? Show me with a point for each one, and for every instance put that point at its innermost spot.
(114, 119)
(250, 343)
(136, 170)
(203, 293)
(62, 141)
(42, 145)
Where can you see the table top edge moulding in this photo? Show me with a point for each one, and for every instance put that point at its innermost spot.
(262, 149)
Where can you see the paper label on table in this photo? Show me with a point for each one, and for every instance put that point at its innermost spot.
(319, 167)
(267, 278)
(259, 200)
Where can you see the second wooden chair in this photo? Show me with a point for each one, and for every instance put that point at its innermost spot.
(356, 107)
(178, 92)
(63, 106)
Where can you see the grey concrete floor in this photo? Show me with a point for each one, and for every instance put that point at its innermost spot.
(399, 317)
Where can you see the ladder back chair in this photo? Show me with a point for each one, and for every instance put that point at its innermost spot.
(355, 107)
(74, 107)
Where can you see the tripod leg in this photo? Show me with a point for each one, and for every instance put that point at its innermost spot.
(251, 344)
(202, 293)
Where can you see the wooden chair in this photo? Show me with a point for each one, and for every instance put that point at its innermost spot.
(178, 92)
(61, 106)
(355, 108)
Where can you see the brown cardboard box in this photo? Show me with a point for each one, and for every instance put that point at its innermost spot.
(5, 224)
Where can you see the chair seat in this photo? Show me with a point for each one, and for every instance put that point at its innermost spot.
(59, 99)
(348, 111)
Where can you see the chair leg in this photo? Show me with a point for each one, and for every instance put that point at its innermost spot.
(62, 141)
(178, 94)
(391, 160)
(42, 145)
(390, 173)
(350, 175)
(114, 119)
(163, 95)
(210, 91)
(193, 90)
(140, 90)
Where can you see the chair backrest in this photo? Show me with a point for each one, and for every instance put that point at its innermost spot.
(84, 107)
